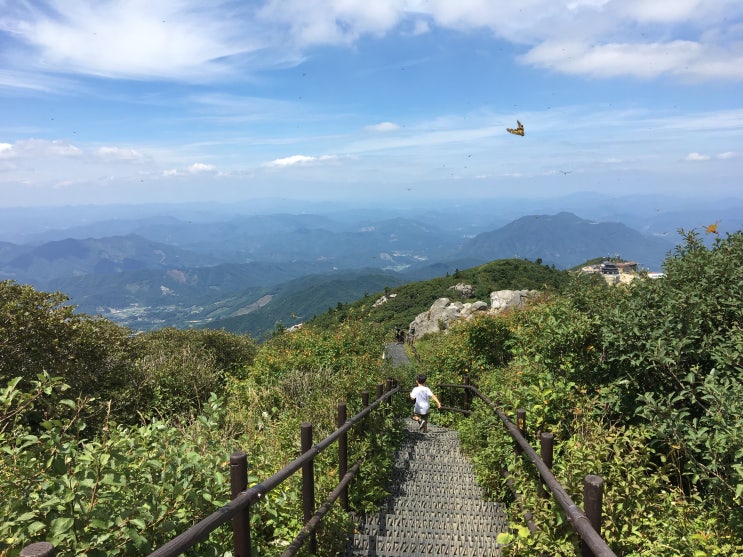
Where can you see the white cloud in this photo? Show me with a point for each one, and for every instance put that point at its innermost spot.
(39, 148)
(420, 27)
(195, 168)
(602, 38)
(118, 154)
(12, 79)
(6, 150)
(728, 155)
(313, 22)
(383, 127)
(195, 41)
(687, 58)
(200, 167)
(297, 160)
(169, 39)
(663, 11)
(697, 157)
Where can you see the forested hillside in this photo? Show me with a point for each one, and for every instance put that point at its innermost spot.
(403, 303)
(114, 442)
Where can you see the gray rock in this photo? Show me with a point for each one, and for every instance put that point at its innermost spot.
(507, 299)
(444, 312)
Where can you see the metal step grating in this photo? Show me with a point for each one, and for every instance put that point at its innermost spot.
(435, 506)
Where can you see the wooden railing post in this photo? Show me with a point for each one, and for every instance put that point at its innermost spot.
(593, 499)
(342, 453)
(389, 385)
(466, 393)
(365, 404)
(521, 425)
(308, 483)
(546, 451)
(241, 521)
(38, 549)
(380, 390)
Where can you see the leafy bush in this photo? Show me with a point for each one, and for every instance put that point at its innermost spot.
(640, 384)
(40, 334)
(176, 371)
(121, 493)
(673, 347)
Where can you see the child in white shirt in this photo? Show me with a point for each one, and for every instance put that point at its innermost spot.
(421, 394)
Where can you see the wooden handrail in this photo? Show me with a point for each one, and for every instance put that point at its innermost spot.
(199, 531)
(581, 524)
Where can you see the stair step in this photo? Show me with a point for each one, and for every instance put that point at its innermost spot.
(434, 507)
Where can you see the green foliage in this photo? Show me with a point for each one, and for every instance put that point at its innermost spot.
(674, 347)
(124, 487)
(39, 333)
(469, 350)
(121, 493)
(176, 371)
(640, 384)
(302, 375)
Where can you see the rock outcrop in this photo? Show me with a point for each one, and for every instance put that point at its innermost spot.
(443, 311)
(466, 290)
(509, 299)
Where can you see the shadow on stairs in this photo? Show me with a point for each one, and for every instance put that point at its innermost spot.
(435, 506)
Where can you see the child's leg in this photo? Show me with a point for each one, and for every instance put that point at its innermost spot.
(423, 421)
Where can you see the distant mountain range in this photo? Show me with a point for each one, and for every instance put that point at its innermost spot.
(246, 273)
(566, 240)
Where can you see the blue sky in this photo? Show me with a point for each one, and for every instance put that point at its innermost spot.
(169, 100)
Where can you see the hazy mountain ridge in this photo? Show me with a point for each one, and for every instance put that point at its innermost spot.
(201, 286)
(109, 255)
(396, 242)
(211, 265)
(565, 240)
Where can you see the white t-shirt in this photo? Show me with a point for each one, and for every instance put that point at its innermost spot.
(422, 395)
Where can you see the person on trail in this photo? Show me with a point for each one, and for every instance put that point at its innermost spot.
(422, 396)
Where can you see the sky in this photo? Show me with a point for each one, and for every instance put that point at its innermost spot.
(139, 101)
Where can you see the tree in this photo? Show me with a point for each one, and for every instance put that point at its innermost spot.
(39, 333)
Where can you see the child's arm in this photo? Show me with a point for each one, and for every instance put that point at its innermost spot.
(436, 400)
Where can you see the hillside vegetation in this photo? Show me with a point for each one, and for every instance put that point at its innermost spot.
(405, 302)
(641, 384)
(114, 442)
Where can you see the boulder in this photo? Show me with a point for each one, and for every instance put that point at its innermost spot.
(466, 290)
(443, 311)
(509, 299)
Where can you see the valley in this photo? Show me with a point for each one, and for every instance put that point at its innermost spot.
(212, 266)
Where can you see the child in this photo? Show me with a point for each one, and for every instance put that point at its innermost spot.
(421, 394)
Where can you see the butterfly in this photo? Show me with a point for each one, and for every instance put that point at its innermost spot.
(518, 131)
(712, 228)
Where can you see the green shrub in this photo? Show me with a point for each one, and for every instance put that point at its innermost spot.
(123, 492)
